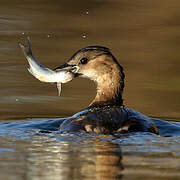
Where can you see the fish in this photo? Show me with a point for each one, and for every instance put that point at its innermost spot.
(43, 73)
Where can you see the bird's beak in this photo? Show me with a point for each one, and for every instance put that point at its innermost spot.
(68, 67)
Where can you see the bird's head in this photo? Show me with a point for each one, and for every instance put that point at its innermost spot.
(98, 64)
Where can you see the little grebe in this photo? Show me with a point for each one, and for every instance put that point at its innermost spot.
(106, 113)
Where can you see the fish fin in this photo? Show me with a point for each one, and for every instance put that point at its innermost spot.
(59, 88)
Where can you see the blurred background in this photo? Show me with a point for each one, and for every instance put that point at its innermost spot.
(143, 35)
(145, 38)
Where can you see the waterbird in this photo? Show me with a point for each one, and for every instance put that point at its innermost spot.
(106, 114)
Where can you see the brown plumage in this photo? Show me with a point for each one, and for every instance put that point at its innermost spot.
(106, 113)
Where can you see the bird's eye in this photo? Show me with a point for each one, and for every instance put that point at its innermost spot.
(83, 60)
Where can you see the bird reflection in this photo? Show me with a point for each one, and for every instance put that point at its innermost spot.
(90, 159)
(108, 160)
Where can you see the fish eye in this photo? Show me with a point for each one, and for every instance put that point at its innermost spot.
(84, 61)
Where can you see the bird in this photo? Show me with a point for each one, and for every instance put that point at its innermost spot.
(106, 114)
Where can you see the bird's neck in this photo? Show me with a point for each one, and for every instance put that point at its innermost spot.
(109, 89)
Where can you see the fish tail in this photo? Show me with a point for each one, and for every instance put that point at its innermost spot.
(26, 49)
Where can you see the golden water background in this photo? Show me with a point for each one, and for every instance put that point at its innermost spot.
(143, 36)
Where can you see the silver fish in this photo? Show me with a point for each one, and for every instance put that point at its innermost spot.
(43, 73)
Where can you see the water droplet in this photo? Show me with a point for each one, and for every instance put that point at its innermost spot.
(84, 36)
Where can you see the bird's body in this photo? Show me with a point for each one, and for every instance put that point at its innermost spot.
(108, 120)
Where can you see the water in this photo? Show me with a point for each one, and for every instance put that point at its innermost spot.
(30, 151)
(143, 35)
